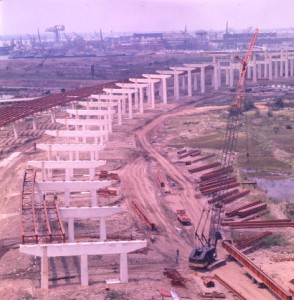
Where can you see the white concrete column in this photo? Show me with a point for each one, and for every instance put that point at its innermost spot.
(34, 123)
(102, 229)
(281, 68)
(276, 69)
(286, 66)
(195, 82)
(183, 82)
(136, 99)
(270, 69)
(148, 93)
(84, 270)
(202, 80)
(189, 83)
(53, 118)
(71, 230)
(130, 106)
(215, 75)
(164, 90)
(258, 71)
(231, 75)
(67, 198)
(123, 105)
(266, 69)
(94, 198)
(44, 269)
(124, 276)
(249, 72)
(227, 76)
(49, 152)
(291, 66)
(152, 90)
(176, 87)
(14, 130)
(77, 155)
(141, 100)
(119, 112)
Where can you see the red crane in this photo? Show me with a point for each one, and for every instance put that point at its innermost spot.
(202, 256)
(236, 108)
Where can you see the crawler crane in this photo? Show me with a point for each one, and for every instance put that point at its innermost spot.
(205, 251)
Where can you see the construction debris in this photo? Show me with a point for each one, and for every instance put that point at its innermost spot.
(143, 215)
(204, 167)
(175, 276)
(212, 295)
(208, 281)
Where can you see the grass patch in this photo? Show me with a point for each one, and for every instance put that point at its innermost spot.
(275, 239)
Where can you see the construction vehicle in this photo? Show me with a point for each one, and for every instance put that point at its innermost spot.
(56, 30)
(206, 237)
(205, 251)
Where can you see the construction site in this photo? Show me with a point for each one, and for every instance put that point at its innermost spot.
(170, 180)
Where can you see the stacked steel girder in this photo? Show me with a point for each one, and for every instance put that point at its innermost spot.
(18, 111)
(267, 280)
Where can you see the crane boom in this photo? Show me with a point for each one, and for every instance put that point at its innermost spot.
(236, 108)
(201, 257)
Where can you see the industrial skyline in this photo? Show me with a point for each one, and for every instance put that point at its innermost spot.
(21, 17)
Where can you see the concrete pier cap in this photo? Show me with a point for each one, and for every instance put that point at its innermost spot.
(83, 250)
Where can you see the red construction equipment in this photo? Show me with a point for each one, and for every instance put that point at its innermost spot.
(259, 224)
(229, 199)
(105, 175)
(247, 241)
(107, 192)
(204, 167)
(246, 262)
(251, 210)
(15, 112)
(191, 153)
(143, 215)
(220, 188)
(41, 221)
(160, 178)
(217, 173)
(227, 194)
(202, 158)
(234, 212)
(208, 281)
(175, 276)
(183, 218)
(205, 252)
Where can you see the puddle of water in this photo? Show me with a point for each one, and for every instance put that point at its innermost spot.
(281, 189)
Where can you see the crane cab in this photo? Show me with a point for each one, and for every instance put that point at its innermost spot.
(200, 258)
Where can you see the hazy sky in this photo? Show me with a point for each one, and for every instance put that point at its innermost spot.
(25, 16)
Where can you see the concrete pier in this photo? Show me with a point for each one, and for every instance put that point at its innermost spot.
(124, 91)
(139, 88)
(71, 186)
(70, 214)
(189, 70)
(163, 83)
(78, 135)
(83, 249)
(150, 90)
(175, 74)
(47, 167)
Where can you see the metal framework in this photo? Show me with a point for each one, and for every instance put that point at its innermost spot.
(18, 111)
(41, 222)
